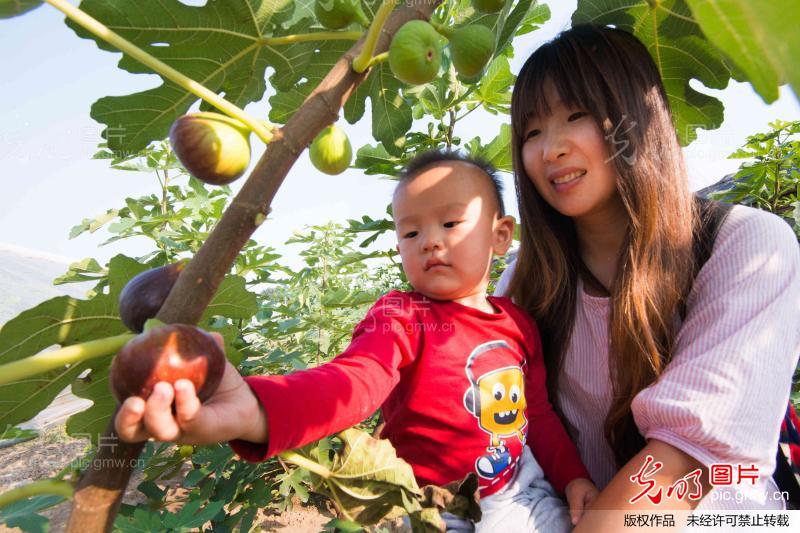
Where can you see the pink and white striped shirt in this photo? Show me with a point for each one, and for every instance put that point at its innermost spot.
(723, 396)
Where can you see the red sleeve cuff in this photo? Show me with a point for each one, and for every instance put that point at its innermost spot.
(567, 473)
(255, 452)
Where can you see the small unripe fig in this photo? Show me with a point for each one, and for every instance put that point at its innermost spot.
(471, 47)
(145, 293)
(337, 14)
(415, 53)
(167, 353)
(330, 151)
(489, 6)
(186, 451)
(214, 148)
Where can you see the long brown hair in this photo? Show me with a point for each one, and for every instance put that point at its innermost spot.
(609, 74)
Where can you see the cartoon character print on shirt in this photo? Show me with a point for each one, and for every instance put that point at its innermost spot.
(496, 398)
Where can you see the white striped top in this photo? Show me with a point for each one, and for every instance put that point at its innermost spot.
(723, 396)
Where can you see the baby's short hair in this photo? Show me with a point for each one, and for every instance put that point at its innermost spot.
(432, 157)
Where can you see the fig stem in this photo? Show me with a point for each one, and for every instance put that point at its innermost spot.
(99, 29)
(42, 362)
(362, 62)
(380, 58)
(444, 31)
(42, 486)
(303, 462)
(306, 37)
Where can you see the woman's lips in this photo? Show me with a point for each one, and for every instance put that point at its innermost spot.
(568, 181)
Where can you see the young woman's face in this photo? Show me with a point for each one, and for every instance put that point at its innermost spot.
(565, 156)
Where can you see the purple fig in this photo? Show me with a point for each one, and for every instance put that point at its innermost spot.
(144, 295)
(167, 353)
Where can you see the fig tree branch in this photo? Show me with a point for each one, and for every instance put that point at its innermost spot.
(100, 489)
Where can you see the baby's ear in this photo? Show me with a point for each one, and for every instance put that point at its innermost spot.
(503, 234)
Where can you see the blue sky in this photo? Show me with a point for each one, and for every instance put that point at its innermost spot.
(50, 183)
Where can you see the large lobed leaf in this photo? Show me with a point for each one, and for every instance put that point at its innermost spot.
(760, 36)
(59, 321)
(219, 45)
(680, 51)
(367, 479)
(65, 321)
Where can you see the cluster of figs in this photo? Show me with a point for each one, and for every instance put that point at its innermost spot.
(215, 149)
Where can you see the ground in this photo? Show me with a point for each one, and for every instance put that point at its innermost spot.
(54, 449)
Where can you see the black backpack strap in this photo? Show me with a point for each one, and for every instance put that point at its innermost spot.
(712, 215)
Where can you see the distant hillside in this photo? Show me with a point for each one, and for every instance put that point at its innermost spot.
(26, 279)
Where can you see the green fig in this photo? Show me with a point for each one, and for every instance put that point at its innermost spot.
(167, 353)
(145, 293)
(471, 47)
(330, 151)
(214, 148)
(415, 53)
(186, 451)
(338, 14)
(489, 6)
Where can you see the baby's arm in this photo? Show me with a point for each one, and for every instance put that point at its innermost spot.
(293, 409)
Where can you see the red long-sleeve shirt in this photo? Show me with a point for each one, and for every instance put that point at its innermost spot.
(459, 388)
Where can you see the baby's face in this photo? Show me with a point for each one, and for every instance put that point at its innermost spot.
(448, 228)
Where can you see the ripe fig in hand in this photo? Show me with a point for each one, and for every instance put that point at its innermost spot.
(415, 53)
(144, 295)
(214, 148)
(167, 353)
(330, 151)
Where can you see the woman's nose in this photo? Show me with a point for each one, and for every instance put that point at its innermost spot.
(555, 145)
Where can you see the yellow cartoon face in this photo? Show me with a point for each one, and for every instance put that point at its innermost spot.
(502, 406)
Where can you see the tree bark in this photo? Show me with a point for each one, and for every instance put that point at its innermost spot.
(102, 485)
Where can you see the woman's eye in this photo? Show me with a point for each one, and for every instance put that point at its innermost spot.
(576, 115)
(531, 134)
(452, 224)
(410, 235)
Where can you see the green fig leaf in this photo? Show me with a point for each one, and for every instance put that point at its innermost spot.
(232, 300)
(376, 160)
(59, 321)
(218, 45)
(536, 17)
(92, 422)
(495, 88)
(23, 514)
(87, 269)
(12, 8)
(758, 37)
(391, 112)
(509, 25)
(497, 152)
(368, 480)
(680, 51)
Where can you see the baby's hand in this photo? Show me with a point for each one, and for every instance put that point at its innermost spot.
(231, 412)
(580, 493)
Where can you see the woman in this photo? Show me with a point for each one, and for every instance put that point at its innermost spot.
(644, 358)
